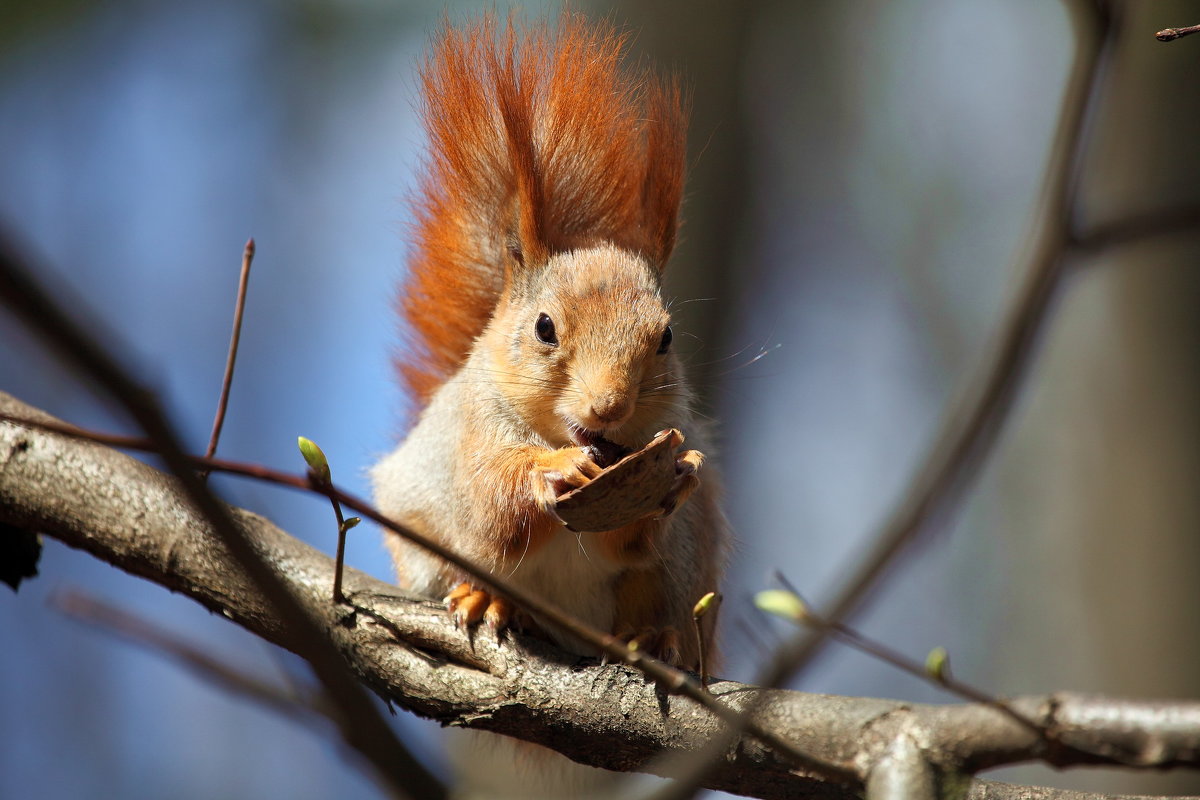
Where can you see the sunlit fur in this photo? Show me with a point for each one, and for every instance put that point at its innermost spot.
(609, 316)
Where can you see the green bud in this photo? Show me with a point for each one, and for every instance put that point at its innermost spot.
(704, 604)
(315, 459)
(782, 603)
(937, 663)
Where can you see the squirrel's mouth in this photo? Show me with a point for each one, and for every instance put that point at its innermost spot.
(604, 452)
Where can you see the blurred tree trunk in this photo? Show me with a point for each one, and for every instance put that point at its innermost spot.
(1101, 478)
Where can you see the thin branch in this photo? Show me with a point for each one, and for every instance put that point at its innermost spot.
(361, 723)
(110, 619)
(340, 558)
(320, 475)
(964, 690)
(706, 607)
(1171, 34)
(943, 680)
(1183, 219)
(239, 307)
(120, 441)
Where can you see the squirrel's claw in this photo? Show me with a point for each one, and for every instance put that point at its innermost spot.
(560, 471)
(687, 465)
(689, 462)
(469, 606)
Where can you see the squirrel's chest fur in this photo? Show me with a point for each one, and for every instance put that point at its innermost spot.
(434, 486)
(572, 572)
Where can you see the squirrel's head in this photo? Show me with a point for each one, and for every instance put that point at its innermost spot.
(582, 348)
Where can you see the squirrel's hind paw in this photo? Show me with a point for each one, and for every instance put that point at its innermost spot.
(660, 643)
(469, 606)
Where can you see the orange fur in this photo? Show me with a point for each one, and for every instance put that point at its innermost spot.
(540, 141)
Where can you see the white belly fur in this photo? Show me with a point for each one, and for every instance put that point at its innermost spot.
(570, 572)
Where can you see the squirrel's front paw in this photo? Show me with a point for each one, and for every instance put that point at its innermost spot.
(469, 606)
(559, 471)
(687, 464)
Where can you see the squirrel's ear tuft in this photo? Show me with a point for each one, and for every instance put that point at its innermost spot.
(515, 87)
(666, 111)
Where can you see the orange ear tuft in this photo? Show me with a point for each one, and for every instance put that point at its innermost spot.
(535, 134)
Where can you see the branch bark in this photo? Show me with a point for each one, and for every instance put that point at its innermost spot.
(407, 651)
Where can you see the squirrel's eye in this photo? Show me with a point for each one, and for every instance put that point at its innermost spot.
(545, 329)
(665, 344)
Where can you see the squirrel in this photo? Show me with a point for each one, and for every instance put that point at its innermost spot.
(539, 342)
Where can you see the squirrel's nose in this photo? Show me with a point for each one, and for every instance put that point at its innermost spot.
(612, 408)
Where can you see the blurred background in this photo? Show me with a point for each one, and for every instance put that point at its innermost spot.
(862, 194)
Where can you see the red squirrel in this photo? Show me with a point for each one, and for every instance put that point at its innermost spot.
(538, 334)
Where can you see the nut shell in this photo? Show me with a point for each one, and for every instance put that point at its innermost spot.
(630, 490)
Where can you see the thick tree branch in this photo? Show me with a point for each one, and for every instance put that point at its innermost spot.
(406, 650)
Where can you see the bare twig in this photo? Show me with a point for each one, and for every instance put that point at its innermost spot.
(859, 641)
(360, 721)
(111, 619)
(1171, 34)
(340, 559)
(139, 443)
(320, 474)
(1182, 219)
(227, 381)
(706, 608)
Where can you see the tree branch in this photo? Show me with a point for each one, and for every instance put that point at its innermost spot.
(360, 722)
(297, 705)
(408, 651)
